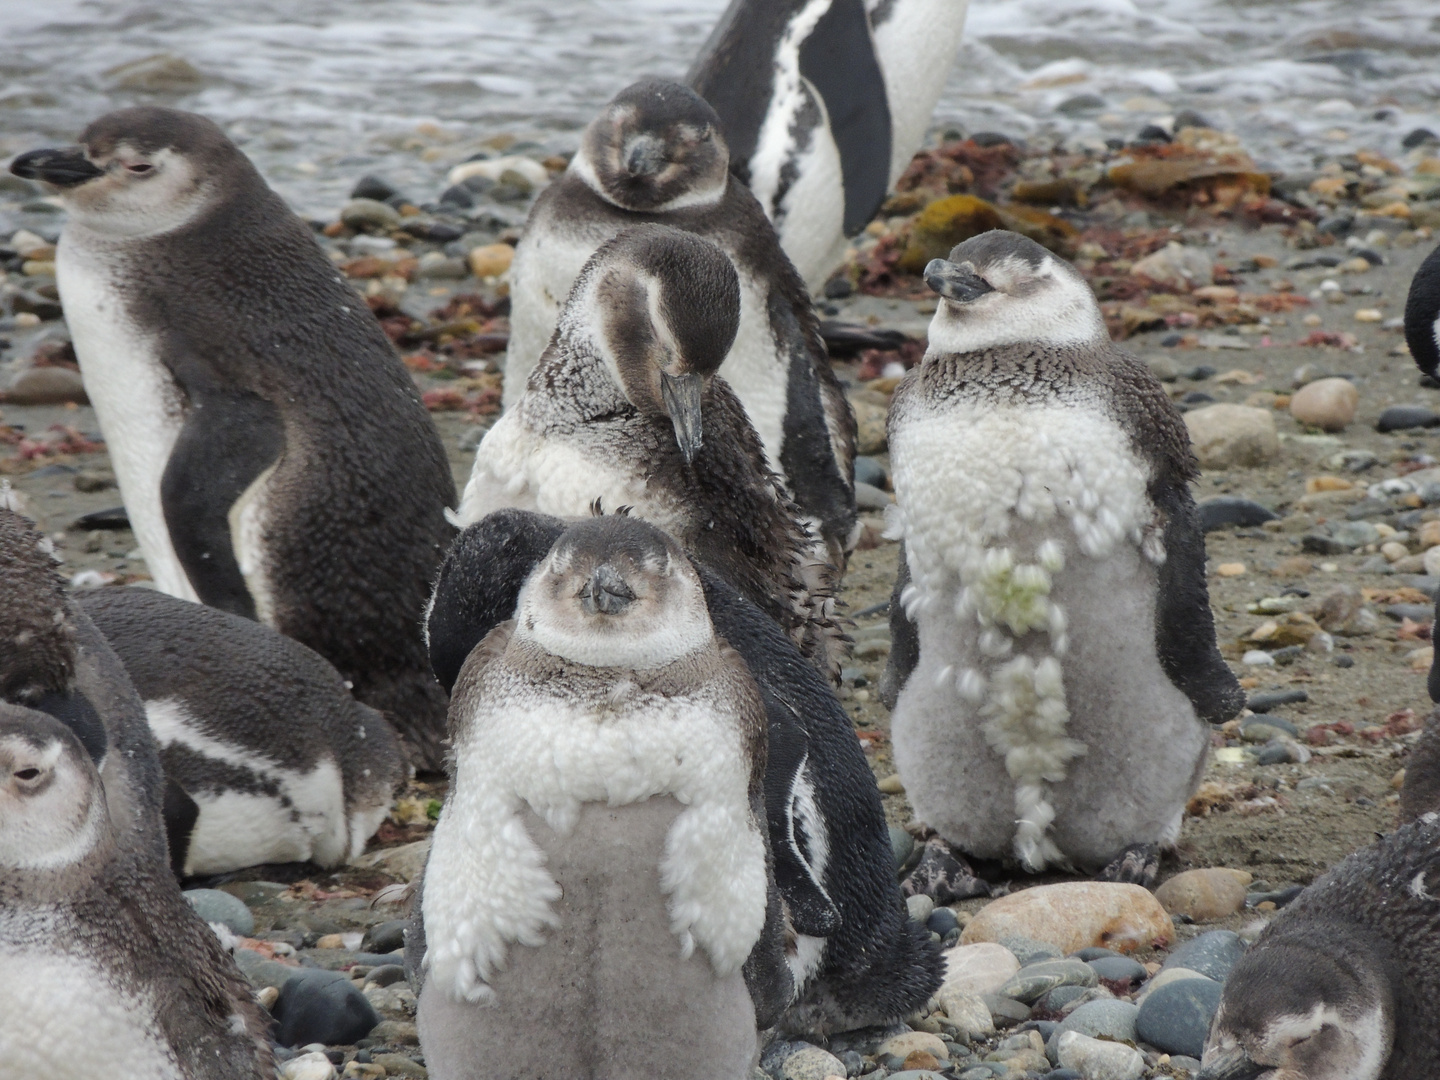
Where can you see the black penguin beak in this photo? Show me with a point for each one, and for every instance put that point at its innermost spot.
(1231, 1065)
(954, 282)
(682, 402)
(606, 593)
(63, 168)
(644, 156)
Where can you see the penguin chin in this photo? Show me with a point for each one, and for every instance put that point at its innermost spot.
(170, 196)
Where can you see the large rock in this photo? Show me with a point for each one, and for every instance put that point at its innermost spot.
(811, 1063)
(1205, 894)
(978, 969)
(1033, 981)
(1212, 954)
(1328, 404)
(1097, 1060)
(215, 906)
(1107, 1019)
(1074, 915)
(1176, 1018)
(1230, 436)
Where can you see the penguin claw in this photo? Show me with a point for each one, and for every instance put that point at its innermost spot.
(1138, 864)
(943, 875)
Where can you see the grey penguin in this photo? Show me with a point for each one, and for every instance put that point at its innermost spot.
(1342, 985)
(272, 451)
(656, 154)
(823, 103)
(602, 850)
(284, 765)
(103, 965)
(856, 957)
(1062, 665)
(626, 407)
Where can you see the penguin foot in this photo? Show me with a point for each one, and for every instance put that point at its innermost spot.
(1139, 864)
(943, 875)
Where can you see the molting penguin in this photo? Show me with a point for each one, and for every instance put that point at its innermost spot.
(273, 454)
(1056, 615)
(282, 763)
(103, 965)
(823, 103)
(602, 852)
(856, 957)
(625, 407)
(1344, 984)
(655, 154)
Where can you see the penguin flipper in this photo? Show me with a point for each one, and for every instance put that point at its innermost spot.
(766, 971)
(229, 440)
(812, 912)
(180, 812)
(904, 639)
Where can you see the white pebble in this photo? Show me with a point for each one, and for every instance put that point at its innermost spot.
(314, 1066)
(1097, 1060)
(1258, 658)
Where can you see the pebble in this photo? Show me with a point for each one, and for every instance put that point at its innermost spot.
(902, 1046)
(1264, 728)
(1072, 915)
(46, 386)
(1111, 1019)
(967, 1012)
(215, 906)
(902, 846)
(1118, 969)
(1328, 404)
(919, 906)
(312, 1066)
(1175, 265)
(1176, 1017)
(1257, 658)
(870, 437)
(322, 1006)
(1032, 981)
(812, 1063)
(1030, 951)
(1230, 436)
(404, 862)
(369, 214)
(1282, 752)
(1096, 1060)
(1231, 569)
(1165, 977)
(1226, 510)
(491, 260)
(1204, 894)
(1211, 954)
(1273, 699)
(942, 921)
(1404, 417)
(870, 471)
(978, 969)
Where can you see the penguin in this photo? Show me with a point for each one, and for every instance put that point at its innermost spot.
(1342, 984)
(1422, 321)
(1420, 791)
(656, 154)
(857, 960)
(823, 104)
(273, 453)
(283, 764)
(626, 407)
(601, 852)
(103, 965)
(1065, 669)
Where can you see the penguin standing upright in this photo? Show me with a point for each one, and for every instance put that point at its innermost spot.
(626, 408)
(272, 451)
(103, 965)
(856, 957)
(823, 103)
(1065, 666)
(601, 852)
(656, 154)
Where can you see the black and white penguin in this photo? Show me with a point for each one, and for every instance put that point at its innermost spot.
(1342, 985)
(602, 850)
(103, 965)
(856, 957)
(823, 104)
(1422, 315)
(656, 154)
(1065, 669)
(626, 408)
(272, 451)
(283, 764)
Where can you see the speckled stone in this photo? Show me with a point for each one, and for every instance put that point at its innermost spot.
(1072, 915)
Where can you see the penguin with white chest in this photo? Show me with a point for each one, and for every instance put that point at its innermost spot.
(823, 103)
(857, 959)
(283, 764)
(272, 451)
(1056, 616)
(103, 965)
(626, 407)
(602, 851)
(656, 154)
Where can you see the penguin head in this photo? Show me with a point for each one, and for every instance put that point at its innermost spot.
(1299, 1010)
(615, 592)
(661, 307)
(657, 146)
(1000, 288)
(139, 172)
(52, 806)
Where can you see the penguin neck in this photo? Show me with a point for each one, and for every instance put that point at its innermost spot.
(578, 387)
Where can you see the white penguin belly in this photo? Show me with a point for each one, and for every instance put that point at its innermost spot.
(758, 372)
(1000, 508)
(916, 46)
(139, 407)
(547, 262)
(61, 1018)
(300, 817)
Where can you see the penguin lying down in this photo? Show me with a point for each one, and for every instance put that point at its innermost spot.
(267, 756)
(854, 956)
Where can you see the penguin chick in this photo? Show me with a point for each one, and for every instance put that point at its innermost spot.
(656, 154)
(1053, 600)
(282, 763)
(1342, 984)
(626, 408)
(273, 453)
(601, 850)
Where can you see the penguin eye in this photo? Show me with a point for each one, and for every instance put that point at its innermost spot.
(140, 168)
(27, 774)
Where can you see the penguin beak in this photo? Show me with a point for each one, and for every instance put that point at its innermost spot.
(644, 156)
(682, 403)
(606, 593)
(1231, 1065)
(64, 168)
(954, 282)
